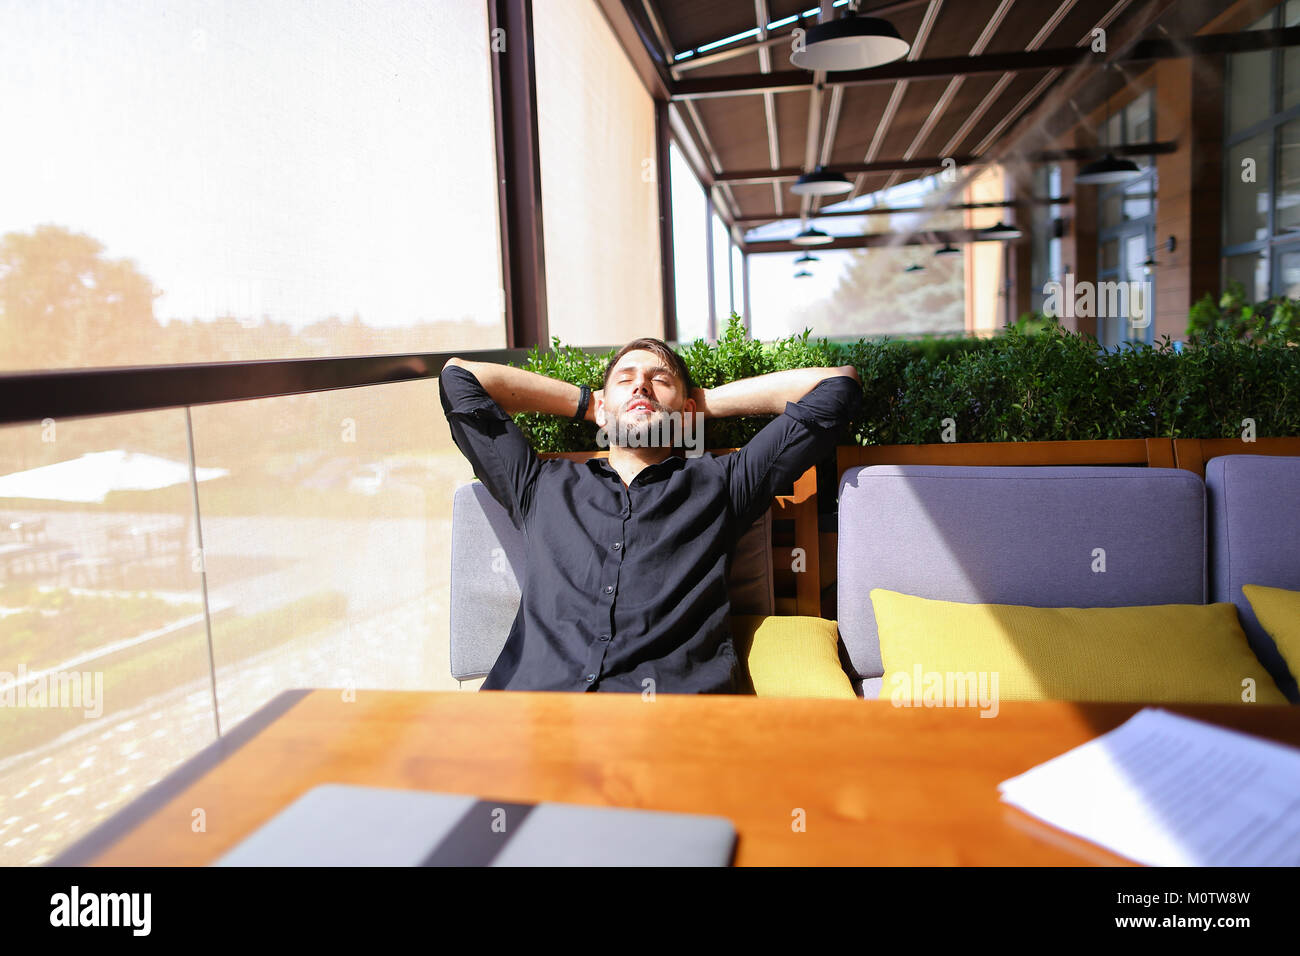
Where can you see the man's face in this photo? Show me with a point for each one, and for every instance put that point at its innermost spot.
(641, 392)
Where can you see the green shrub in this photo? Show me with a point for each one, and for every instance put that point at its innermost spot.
(1034, 382)
(1233, 315)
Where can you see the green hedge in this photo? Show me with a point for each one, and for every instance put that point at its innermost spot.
(1034, 382)
(1234, 315)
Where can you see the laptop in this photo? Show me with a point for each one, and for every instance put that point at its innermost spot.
(346, 825)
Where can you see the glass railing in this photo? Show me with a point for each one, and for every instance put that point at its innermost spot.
(164, 573)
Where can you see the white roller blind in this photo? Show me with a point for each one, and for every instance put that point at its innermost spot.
(599, 195)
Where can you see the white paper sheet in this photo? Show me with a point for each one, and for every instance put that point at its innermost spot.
(1167, 790)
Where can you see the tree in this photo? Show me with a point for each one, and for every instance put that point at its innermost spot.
(63, 304)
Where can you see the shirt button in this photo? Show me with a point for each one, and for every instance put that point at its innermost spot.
(609, 589)
(604, 637)
(617, 545)
(590, 678)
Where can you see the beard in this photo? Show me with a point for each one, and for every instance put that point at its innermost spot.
(641, 430)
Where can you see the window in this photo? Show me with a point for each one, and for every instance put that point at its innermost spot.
(600, 201)
(1126, 224)
(858, 292)
(1261, 190)
(286, 178)
(1247, 202)
(1046, 263)
(1288, 178)
(866, 292)
(721, 272)
(274, 183)
(1251, 270)
(737, 281)
(690, 254)
(1289, 267)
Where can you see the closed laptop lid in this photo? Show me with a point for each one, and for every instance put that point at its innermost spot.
(347, 825)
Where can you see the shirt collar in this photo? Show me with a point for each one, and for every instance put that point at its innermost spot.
(667, 466)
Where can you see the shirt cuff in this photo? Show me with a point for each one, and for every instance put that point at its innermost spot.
(462, 394)
(831, 404)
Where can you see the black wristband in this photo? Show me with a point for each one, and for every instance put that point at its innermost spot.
(584, 398)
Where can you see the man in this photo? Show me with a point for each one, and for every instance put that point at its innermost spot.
(624, 586)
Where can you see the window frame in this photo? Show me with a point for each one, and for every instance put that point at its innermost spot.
(1126, 229)
(1273, 244)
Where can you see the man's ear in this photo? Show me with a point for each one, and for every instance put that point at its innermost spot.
(688, 407)
(600, 412)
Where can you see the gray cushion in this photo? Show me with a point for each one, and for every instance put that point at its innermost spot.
(1254, 509)
(867, 688)
(487, 563)
(1014, 535)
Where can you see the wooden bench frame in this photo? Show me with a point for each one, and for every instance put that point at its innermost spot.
(1152, 452)
(1190, 454)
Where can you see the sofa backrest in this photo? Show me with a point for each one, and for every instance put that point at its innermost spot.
(1254, 514)
(487, 561)
(1013, 535)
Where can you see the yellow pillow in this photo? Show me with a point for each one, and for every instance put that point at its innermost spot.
(789, 656)
(1278, 611)
(1166, 653)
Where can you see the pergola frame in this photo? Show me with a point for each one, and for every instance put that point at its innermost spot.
(640, 31)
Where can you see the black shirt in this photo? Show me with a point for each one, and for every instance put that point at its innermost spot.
(627, 583)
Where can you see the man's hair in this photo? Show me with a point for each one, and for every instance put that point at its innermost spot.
(661, 349)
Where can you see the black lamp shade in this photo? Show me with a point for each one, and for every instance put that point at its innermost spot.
(811, 237)
(850, 43)
(1000, 230)
(1109, 169)
(821, 183)
(803, 274)
(947, 249)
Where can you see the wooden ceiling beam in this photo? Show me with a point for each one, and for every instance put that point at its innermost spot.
(1160, 48)
(812, 144)
(897, 210)
(936, 162)
(766, 41)
(794, 172)
(973, 118)
(769, 104)
(927, 237)
(898, 92)
(1038, 120)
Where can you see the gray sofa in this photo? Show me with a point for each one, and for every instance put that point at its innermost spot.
(1028, 535)
(1000, 535)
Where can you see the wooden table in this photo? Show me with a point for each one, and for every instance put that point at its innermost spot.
(877, 785)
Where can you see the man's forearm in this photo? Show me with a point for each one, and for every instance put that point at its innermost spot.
(767, 394)
(519, 390)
